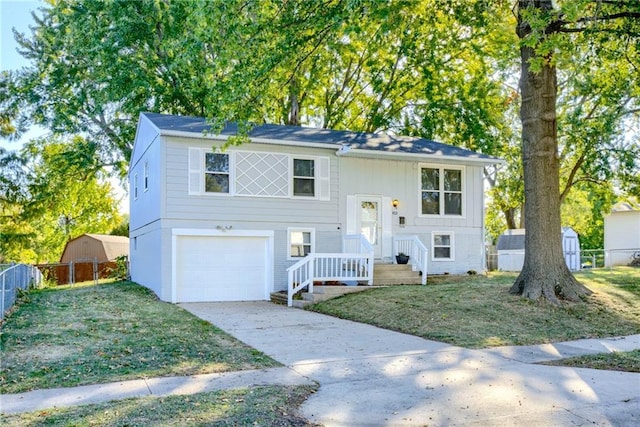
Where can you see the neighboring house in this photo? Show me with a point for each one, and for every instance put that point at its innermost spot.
(215, 224)
(621, 235)
(510, 249)
(95, 247)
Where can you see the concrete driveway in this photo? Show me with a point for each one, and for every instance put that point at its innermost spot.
(373, 377)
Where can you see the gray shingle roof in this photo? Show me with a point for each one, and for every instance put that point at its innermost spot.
(336, 138)
(511, 240)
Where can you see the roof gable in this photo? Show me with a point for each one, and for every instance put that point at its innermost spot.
(333, 139)
(111, 246)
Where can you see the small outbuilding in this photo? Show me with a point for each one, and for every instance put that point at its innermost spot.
(510, 249)
(621, 235)
(90, 247)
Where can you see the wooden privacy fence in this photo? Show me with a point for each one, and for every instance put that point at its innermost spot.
(77, 271)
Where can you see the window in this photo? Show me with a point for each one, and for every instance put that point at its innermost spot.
(135, 186)
(441, 191)
(258, 174)
(442, 246)
(301, 242)
(216, 177)
(146, 176)
(304, 182)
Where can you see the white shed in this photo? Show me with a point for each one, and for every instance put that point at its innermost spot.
(511, 249)
(621, 234)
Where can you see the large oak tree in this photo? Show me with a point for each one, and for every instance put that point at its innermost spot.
(540, 28)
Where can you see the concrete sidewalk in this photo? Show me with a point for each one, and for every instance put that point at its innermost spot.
(370, 376)
(163, 386)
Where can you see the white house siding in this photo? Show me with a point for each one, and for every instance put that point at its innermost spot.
(181, 205)
(365, 176)
(621, 236)
(147, 263)
(146, 207)
(182, 210)
(167, 205)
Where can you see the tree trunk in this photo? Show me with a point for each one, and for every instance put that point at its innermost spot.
(544, 273)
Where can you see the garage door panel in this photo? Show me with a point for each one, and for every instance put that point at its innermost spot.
(215, 268)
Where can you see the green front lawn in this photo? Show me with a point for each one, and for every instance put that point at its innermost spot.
(88, 334)
(479, 312)
(259, 406)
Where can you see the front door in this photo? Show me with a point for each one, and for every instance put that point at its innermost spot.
(369, 221)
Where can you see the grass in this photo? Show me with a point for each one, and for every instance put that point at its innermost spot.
(89, 334)
(622, 361)
(479, 312)
(264, 406)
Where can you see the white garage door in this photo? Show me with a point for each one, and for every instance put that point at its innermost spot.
(221, 268)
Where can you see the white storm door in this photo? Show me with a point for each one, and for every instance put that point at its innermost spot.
(369, 221)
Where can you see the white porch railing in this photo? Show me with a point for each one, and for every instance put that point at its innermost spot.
(355, 263)
(417, 251)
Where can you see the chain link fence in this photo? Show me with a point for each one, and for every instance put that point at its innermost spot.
(589, 258)
(14, 277)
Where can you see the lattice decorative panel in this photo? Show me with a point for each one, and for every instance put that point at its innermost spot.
(262, 174)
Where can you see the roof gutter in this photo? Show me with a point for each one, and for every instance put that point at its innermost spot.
(341, 149)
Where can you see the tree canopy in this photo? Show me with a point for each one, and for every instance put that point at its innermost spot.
(443, 70)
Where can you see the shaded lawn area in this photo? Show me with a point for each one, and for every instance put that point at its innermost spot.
(479, 312)
(262, 406)
(88, 334)
(623, 361)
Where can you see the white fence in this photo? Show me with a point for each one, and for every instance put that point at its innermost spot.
(14, 277)
(589, 258)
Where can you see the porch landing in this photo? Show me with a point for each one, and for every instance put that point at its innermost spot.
(383, 275)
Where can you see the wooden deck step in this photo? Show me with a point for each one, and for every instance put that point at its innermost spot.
(395, 274)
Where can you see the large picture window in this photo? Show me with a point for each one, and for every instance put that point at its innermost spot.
(216, 178)
(441, 191)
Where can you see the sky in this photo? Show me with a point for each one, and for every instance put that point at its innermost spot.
(17, 14)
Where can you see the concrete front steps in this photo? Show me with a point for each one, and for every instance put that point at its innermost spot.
(395, 274)
(383, 275)
(320, 293)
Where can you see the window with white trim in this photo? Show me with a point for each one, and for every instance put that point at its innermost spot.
(146, 176)
(441, 190)
(301, 242)
(304, 177)
(135, 186)
(258, 174)
(442, 246)
(216, 173)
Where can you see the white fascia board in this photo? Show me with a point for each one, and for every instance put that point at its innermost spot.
(355, 152)
(252, 139)
(135, 147)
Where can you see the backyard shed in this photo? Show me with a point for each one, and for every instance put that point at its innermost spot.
(90, 247)
(511, 249)
(621, 235)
